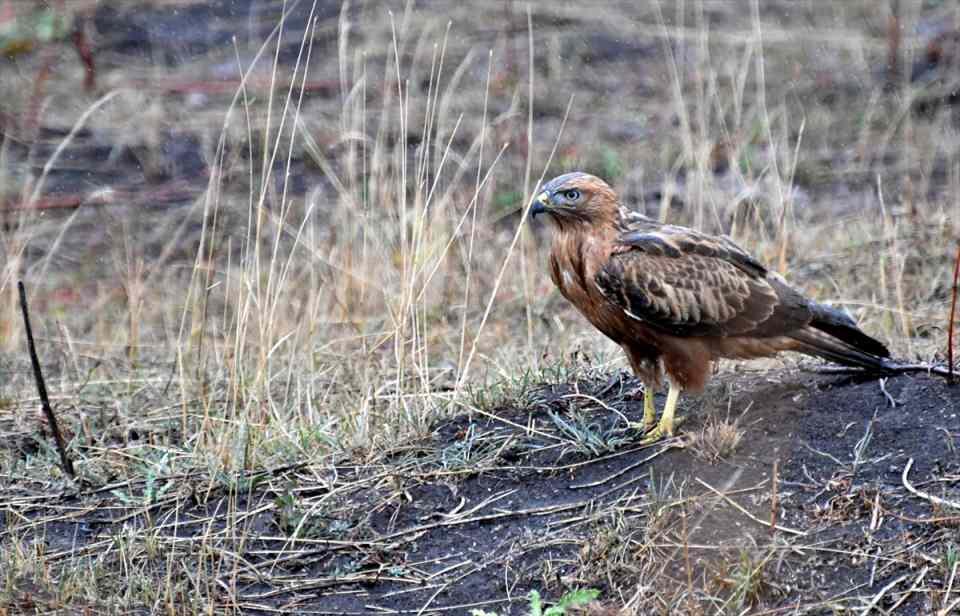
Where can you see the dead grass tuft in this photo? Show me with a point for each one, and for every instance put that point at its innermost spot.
(717, 439)
(745, 582)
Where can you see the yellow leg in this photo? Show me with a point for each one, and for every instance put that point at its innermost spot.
(669, 410)
(668, 421)
(649, 411)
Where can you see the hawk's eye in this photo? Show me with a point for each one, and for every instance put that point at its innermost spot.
(572, 195)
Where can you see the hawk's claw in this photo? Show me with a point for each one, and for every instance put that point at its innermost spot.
(658, 432)
(654, 431)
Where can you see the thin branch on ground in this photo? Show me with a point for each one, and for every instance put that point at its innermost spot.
(740, 508)
(953, 314)
(924, 495)
(65, 460)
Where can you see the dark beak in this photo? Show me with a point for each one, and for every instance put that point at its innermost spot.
(541, 205)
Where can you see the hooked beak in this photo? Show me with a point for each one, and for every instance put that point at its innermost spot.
(541, 205)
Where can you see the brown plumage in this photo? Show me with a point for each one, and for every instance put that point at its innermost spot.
(676, 300)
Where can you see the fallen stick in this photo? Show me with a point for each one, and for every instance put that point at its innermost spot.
(924, 495)
(42, 388)
(171, 193)
(877, 597)
(739, 508)
(226, 86)
(953, 314)
(892, 369)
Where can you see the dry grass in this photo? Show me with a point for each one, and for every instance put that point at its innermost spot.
(717, 439)
(198, 352)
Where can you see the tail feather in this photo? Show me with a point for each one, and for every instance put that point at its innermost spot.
(839, 325)
(834, 336)
(819, 343)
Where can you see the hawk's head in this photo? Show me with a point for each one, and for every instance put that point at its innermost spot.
(577, 197)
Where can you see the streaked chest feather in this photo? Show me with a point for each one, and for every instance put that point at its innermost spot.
(575, 260)
(573, 266)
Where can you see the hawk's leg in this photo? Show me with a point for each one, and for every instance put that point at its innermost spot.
(649, 411)
(668, 421)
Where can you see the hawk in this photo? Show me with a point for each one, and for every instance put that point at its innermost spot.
(676, 299)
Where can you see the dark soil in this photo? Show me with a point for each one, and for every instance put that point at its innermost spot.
(791, 416)
(494, 506)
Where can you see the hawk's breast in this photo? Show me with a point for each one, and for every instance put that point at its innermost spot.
(574, 263)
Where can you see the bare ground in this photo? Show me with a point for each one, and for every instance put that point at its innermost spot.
(492, 506)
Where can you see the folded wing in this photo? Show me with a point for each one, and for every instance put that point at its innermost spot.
(689, 284)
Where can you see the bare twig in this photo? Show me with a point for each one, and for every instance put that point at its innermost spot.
(41, 387)
(173, 192)
(894, 35)
(949, 609)
(953, 314)
(946, 596)
(875, 515)
(890, 399)
(924, 495)
(826, 455)
(667, 446)
(950, 519)
(889, 368)
(910, 591)
(774, 496)
(877, 597)
(739, 508)
(686, 553)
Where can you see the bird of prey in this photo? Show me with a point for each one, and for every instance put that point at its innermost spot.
(676, 299)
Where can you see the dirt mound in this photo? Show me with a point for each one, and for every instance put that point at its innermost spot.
(555, 494)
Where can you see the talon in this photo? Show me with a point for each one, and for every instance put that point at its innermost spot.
(668, 422)
(657, 432)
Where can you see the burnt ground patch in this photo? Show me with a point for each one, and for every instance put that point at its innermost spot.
(556, 493)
